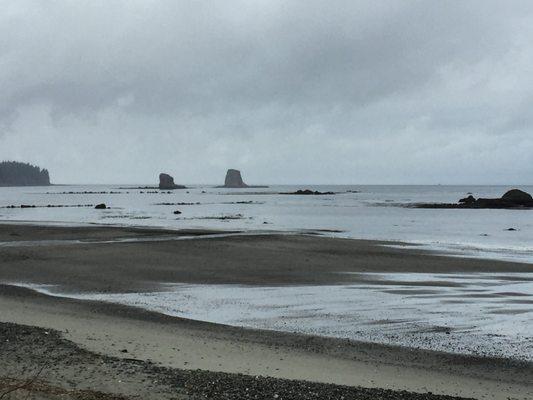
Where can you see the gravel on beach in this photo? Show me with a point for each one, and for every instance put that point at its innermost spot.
(51, 367)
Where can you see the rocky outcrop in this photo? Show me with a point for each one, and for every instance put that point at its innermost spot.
(234, 179)
(517, 196)
(468, 200)
(309, 192)
(166, 182)
(512, 199)
(14, 173)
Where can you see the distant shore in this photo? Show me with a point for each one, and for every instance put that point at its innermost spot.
(142, 264)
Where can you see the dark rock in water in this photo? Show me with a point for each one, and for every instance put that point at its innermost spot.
(468, 200)
(166, 182)
(309, 192)
(177, 212)
(517, 196)
(14, 173)
(234, 179)
(512, 199)
(100, 206)
(511, 229)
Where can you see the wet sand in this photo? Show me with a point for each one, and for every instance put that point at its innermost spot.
(178, 344)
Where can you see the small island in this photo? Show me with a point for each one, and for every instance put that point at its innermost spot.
(166, 182)
(13, 173)
(234, 180)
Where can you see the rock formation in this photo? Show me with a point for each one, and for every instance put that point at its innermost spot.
(517, 196)
(514, 198)
(14, 173)
(309, 192)
(166, 182)
(234, 179)
(468, 200)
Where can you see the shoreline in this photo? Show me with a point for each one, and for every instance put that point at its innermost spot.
(474, 252)
(182, 344)
(39, 362)
(106, 328)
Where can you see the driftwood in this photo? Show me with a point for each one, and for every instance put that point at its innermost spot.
(24, 385)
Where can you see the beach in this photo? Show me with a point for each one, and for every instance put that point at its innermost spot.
(85, 260)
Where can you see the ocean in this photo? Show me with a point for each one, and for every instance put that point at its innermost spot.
(355, 211)
(474, 313)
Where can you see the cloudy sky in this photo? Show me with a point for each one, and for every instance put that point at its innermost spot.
(287, 91)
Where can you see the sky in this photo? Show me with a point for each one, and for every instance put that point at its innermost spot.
(287, 91)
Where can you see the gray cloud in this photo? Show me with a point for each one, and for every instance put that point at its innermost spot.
(300, 91)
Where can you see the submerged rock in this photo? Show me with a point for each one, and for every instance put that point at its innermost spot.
(309, 192)
(166, 182)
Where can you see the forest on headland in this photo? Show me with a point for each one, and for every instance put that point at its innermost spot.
(13, 173)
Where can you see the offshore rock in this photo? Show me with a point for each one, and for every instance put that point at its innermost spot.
(512, 199)
(234, 179)
(517, 196)
(309, 192)
(166, 182)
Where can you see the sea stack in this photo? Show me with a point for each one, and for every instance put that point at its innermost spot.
(166, 182)
(234, 179)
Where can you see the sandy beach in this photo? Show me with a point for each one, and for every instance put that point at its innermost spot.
(116, 350)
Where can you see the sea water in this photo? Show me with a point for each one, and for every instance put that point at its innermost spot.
(355, 211)
(483, 314)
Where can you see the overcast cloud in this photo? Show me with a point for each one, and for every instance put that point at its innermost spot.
(287, 91)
